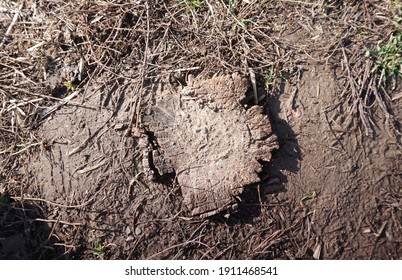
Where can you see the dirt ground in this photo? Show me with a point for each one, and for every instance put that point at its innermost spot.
(75, 77)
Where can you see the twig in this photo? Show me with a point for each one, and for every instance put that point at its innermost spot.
(58, 221)
(19, 89)
(185, 69)
(64, 245)
(306, 3)
(94, 167)
(23, 198)
(383, 106)
(24, 149)
(357, 99)
(13, 22)
(143, 69)
(54, 108)
(177, 245)
(279, 233)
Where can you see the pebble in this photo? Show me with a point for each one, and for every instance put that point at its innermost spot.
(129, 238)
(138, 231)
(128, 230)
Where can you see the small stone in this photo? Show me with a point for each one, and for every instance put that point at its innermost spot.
(138, 231)
(128, 230)
(129, 238)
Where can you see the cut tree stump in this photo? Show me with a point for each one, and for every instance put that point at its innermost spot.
(212, 143)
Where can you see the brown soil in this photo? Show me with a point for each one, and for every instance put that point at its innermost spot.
(73, 177)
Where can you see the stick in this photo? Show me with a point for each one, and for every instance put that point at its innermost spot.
(60, 222)
(143, 70)
(54, 108)
(10, 27)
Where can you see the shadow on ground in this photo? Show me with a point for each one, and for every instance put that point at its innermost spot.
(273, 179)
(23, 233)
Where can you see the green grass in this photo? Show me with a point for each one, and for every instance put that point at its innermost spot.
(99, 249)
(230, 4)
(269, 79)
(388, 58)
(191, 4)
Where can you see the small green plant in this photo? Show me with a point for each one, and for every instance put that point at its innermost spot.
(230, 4)
(309, 196)
(70, 86)
(191, 4)
(269, 79)
(99, 249)
(388, 58)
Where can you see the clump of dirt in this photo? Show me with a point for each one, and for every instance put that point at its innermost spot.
(214, 145)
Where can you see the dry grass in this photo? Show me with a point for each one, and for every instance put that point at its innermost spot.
(51, 49)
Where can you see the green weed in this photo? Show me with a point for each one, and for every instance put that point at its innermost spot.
(191, 4)
(309, 196)
(388, 58)
(99, 249)
(70, 86)
(230, 4)
(269, 79)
